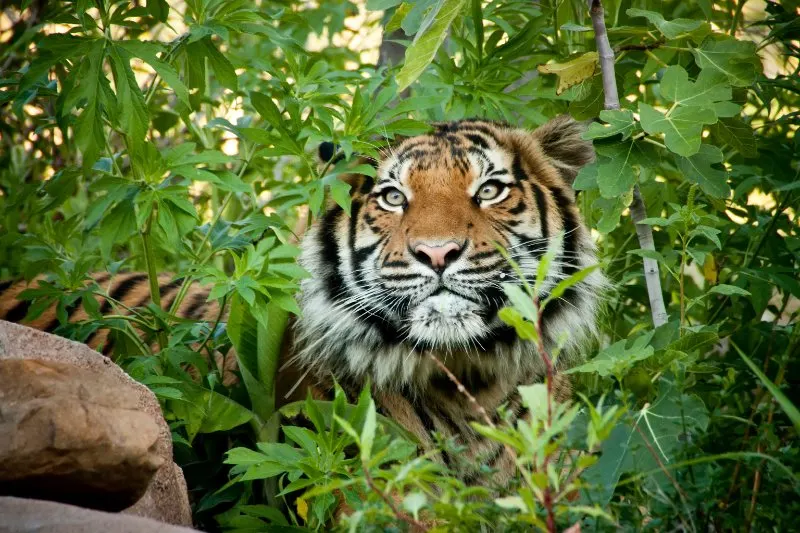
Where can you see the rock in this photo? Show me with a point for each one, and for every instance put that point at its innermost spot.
(72, 435)
(19, 515)
(166, 498)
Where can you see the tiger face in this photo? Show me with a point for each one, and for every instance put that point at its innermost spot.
(415, 267)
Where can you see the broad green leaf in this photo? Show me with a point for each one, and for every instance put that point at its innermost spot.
(682, 127)
(340, 192)
(206, 411)
(617, 359)
(267, 109)
(617, 121)
(709, 88)
(694, 341)
(572, 72)
(611, 210)
(257, 337)
(737, 60)
(737, 135)
(672, 420)
(615, 168)
(698, 169)
(672, 29)
(427, 42)
(117, 226)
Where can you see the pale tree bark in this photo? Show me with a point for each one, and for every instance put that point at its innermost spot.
(638, 210)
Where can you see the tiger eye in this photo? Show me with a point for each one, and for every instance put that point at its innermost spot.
(489, 191)
(393, 197)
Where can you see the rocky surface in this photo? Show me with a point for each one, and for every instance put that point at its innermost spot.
(73, 435)
(19, 515)
(166, 498)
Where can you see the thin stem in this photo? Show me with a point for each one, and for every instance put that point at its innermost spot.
(405, 517)
(152, 275)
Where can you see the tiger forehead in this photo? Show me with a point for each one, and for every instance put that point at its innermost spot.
(453, 147)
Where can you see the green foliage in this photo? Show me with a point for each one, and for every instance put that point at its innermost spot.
(181, 137)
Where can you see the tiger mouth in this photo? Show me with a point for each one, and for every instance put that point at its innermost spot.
(447, 318)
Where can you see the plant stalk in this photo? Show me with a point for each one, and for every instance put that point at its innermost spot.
(152, 275)
(638, 209)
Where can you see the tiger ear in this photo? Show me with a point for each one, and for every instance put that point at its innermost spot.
(560, 139)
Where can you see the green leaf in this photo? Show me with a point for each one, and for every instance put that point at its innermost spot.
(148, 51)
(257, 337)
(206, 411)
(672, 29)
(618, 121)
(737, 60)
(709, 88)
(368, 432)
(728, 290)
(698, 169)
(89, 128)
(117, 226)
(682, 127)
(616, 173)
(267, 109)
(525, 329)
(133, 114)
(786, 404)
(427, 42)
(565, 284)
(616, 360)
(223, 69)
(340, 192)
(668, 423)
(611, 210)
(737, 135)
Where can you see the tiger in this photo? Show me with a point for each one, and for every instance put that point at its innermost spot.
(405, 290)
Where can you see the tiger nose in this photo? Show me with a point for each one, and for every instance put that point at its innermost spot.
(437, 257)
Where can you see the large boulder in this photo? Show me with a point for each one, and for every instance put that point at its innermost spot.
(19, 515)
(73, 435)
(166, 498)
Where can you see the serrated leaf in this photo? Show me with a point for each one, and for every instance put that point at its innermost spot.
(572, 72)
(698, 169)
(682, 127)
(148, 52)
(133, 114)
(223, 69)
(427, 42)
